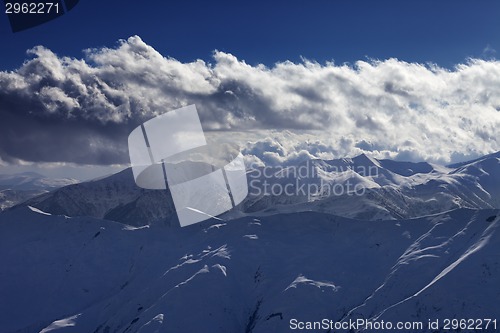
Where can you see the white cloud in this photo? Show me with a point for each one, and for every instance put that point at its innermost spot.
(390, 108)
(489, 52)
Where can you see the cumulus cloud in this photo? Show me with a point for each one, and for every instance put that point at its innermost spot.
(60, 109)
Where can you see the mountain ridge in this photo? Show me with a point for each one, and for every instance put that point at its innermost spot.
(391, 190)
(17, 188)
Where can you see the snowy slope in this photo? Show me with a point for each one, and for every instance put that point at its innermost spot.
(63, 274)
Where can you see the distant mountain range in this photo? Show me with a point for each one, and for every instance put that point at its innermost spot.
(17, 188)
(390, 190)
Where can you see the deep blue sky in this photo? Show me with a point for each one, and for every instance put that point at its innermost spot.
(443, 32)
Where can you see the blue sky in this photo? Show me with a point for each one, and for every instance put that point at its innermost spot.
(443, 32)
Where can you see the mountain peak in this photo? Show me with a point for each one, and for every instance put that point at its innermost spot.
(494, 155)
(364, 159)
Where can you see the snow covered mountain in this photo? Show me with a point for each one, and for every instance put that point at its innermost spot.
(17, 188)
(253, 274)
(389, 189)
(360, 188)
(278, 261)
(116, 198)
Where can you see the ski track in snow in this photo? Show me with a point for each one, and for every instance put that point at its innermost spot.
(302, 280)
(414, 253)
